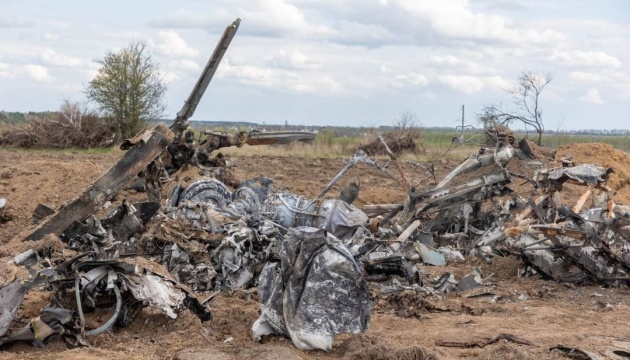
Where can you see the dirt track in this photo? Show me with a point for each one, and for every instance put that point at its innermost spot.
(403, 327)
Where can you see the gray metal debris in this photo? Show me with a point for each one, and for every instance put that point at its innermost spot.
(315, 292)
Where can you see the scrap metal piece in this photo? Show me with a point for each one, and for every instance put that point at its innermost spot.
(470, 281)
(357, 157)
(41, 212)
(351, 192)
(157, 292)
(27, 258)
(574, 353)
(499, 157)
(445, 283)
(11, 297)
(314, 293)
(475, 190)
(552, 179)
(431, 257)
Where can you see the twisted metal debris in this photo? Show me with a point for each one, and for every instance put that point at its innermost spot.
(313, 260)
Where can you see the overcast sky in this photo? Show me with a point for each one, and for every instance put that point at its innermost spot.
(333, 62)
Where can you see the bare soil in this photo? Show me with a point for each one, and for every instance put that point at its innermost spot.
(404, 326)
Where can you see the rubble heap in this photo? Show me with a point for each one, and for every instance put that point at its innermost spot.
(317, 263)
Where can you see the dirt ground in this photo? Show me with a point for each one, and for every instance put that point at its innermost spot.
(404, 326)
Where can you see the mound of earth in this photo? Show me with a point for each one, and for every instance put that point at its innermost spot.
(603, 155)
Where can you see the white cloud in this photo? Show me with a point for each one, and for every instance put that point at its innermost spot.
(50, 57)
(463, 83)
(184, 64)
(36, 72)
(460, 66)
(592, 96)
(5, 71)
(276, 18)
(384, 69)
(184, 19)
(453, 18)
(49, 37)
(172, 45)
(281, 80)
(169, 77)
(293, 60)
(268, 18)
(497, 83)
(585, 58)
(353, 32)
(581, 76)
(90, 70)
(409, 81)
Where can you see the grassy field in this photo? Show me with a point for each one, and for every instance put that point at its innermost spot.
(434, 142)
(328, 144)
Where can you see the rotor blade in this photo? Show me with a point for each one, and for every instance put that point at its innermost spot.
(206, 76)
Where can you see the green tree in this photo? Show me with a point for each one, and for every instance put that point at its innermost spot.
(128, 88)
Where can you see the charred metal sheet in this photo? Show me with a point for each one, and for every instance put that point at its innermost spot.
(103, 189)
(314, 293)
(470, 281)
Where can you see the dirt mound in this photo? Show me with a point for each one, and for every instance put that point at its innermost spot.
(603, 155)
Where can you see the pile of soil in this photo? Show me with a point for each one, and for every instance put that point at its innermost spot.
(603, 155)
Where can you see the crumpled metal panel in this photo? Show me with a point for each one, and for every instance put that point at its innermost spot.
(157, 292)
(340, 218)
(583, 174)
(316, 292)
(544, 260)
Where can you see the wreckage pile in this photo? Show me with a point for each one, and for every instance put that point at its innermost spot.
(317, 262)
(312, 260)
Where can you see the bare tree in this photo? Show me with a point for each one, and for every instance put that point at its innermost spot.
(74, 112)
(526, 95)
(406, 120)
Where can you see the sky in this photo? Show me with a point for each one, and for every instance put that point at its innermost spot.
(333, 62)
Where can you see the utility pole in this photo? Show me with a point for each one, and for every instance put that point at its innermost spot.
(462, 121)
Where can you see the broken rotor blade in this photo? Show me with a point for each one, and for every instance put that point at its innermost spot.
(181, 121)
